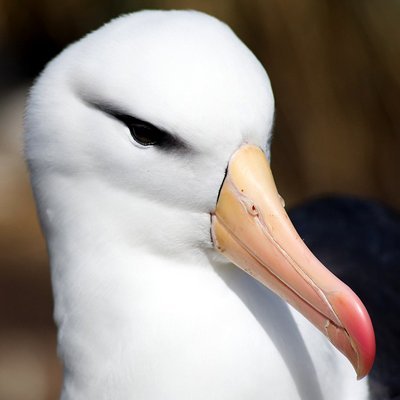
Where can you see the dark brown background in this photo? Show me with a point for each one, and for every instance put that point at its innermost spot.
(335, 72)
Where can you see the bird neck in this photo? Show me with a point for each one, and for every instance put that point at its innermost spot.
(104, 270)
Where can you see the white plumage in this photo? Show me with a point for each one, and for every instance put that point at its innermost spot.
(145, 307)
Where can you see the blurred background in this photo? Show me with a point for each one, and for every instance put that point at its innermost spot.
(335, 72)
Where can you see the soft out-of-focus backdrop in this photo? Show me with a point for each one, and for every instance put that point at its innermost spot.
(335, 72)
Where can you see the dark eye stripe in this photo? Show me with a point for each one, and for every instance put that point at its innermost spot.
(143, 132)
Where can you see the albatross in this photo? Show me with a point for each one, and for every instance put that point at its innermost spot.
(147, 143)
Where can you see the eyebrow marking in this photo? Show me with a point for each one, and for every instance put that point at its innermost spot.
(169, 141)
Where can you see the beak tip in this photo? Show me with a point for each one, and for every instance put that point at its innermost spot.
(366, 353)
(360, 347)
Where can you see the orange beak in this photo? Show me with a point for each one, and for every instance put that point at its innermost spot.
(251, 228)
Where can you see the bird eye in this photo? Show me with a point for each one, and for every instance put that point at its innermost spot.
(145, 134)
(141, 131)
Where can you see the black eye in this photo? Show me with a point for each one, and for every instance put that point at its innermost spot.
(147, 134)
(143, 132)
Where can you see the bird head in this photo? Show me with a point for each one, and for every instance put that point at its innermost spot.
(164, 119)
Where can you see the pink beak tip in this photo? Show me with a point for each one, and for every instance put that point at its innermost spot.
(358, 325)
